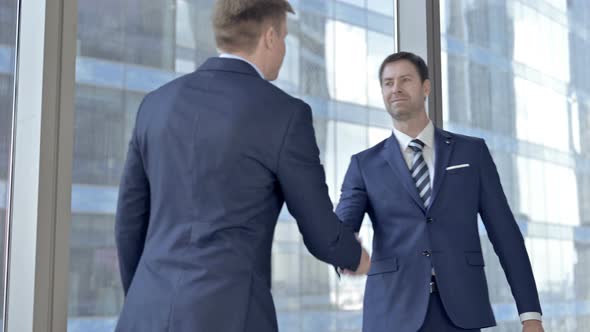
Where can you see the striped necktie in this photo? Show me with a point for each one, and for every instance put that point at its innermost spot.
(420, 172)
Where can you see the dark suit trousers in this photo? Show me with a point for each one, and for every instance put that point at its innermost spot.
(437, 319)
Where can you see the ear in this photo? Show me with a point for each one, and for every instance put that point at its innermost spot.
(426, 88)
(269, 35)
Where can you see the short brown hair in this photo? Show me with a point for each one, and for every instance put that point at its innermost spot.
(238, 23)
(416, 60)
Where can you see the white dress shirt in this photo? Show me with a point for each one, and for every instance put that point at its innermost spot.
(428, 152)
(427, 137)
(237, 57)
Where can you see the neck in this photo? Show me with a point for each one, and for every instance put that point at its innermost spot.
(253, 58)
(412, 126)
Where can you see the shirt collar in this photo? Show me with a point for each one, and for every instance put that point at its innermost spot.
(426, 136)
(237, 57)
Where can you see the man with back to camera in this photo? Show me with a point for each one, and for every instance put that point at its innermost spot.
(213, 157)
(423, 188)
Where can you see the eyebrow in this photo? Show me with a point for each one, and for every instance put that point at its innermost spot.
(392, 78)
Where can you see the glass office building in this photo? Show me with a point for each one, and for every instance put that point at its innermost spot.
(515, 72)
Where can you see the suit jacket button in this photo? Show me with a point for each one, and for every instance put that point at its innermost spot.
(429, 220)
(426, 253)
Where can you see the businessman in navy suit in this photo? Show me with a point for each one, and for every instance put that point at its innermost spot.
(423, 188)
(213, 157)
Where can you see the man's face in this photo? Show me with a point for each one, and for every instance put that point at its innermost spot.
(278, 51)
(402, 89)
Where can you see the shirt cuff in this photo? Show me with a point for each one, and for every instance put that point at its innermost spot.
(530, 315)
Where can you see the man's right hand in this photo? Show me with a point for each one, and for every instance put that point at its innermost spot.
(532, 326)
(365, 264)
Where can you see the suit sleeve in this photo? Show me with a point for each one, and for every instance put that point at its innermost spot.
(506, 237)
(353, 199)
(303, 183)
(133, 211)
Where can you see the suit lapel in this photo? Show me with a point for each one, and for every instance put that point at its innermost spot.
(443, 142)
(393, 155)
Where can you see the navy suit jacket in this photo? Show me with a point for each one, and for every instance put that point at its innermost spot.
(409, 240)
(213, 157)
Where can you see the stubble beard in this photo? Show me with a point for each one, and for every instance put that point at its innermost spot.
(401, 115)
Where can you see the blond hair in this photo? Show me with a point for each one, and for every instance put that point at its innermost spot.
(238, 24)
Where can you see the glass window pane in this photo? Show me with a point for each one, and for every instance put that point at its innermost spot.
(358, 3)
(384, 7)
(517, 74)
(151, 42)
(379, 47)
(8, 17)
(347, 59)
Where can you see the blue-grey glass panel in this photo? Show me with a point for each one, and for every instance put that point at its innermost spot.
(515, 72)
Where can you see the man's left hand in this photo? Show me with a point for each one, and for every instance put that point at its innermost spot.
(532, 325)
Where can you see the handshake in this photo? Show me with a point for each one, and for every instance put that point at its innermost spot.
(364, 265)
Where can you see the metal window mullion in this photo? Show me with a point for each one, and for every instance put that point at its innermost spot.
(41, 181)
(8, 217)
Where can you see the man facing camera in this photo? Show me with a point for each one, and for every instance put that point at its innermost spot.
(423, 188)
(213, 157)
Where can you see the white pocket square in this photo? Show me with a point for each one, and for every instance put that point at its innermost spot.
(457, 166)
